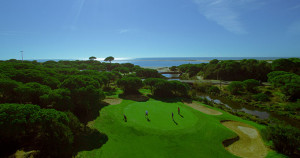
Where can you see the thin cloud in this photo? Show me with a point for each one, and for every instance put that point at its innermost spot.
(295, 7)
(75, 15)
(225, 13)
(122, 31)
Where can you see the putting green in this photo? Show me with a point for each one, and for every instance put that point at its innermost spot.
(196, 135)
(160, 115)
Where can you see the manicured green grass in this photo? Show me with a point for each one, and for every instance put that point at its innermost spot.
(195, 135)
(160, 116)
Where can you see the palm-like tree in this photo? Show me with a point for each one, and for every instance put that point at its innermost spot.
(110, 58)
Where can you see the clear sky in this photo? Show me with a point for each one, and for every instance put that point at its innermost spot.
(78, 29)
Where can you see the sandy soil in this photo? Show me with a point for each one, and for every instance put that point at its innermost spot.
(113, 101)
(203, 109)
(162, 69)
(23, 154)
(250, 144)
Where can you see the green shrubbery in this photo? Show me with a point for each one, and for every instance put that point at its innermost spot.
(46, 130)
(130, 85)
(288, 83)
(236, 87)
(261, 97)
(164, 88)
(286, 139)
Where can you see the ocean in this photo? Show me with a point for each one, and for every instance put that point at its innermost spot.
(172, 61)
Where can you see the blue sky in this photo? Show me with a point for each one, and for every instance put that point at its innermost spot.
(78, 29)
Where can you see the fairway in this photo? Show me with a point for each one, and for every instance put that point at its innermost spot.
(160, 115)
(195, 134)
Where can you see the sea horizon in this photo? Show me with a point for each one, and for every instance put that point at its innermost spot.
(167, 61)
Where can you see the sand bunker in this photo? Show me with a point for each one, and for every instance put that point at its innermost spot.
(203, 109)
(113, 101)
(22, 154)
(250, 143)
(252, 133)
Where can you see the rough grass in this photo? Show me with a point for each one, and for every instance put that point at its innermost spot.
(196, 135)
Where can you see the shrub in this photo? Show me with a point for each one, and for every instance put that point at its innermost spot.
(235, 87)
(261, 97)
(251, 85)
(130, 85)
(214, 90)
(286, 139)
(291, 91)
(202, 86)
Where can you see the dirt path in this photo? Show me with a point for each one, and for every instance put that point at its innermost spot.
(113, 101)
(203, 109)
(250, 143)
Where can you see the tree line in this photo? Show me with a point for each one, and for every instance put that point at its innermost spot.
(233, 70)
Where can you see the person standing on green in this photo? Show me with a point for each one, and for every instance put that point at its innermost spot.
(146, 114)
(125, 118)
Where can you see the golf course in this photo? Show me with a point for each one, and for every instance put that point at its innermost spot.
(197, 131)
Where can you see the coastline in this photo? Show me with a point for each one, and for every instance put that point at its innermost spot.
(159, 69)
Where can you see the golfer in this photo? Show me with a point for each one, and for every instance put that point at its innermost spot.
(172, 116)
(178, 110)
(125, 118)
(146, 114)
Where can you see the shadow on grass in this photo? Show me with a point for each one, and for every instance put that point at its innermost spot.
(89, 140)
(175, 122)
(170, 99)
(181, 115)
(8, 148)
(108, 91)
(135, 97)
(91, 115)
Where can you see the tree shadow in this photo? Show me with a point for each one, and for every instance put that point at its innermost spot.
(89, 140)
(170, 99)
(8, 148)
(135, 97)
(165, 99)
(109, 91)
(92, 114)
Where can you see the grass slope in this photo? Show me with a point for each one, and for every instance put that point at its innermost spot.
(196, 135)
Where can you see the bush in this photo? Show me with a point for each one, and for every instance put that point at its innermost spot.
(163, 88)
(148, 73)
(130, 85)
(202, 86)
(235, 87)
(47, 130)
(286, 139)
(261, 97)
(291, 91)
(214, 90)
(251, 85)
(269, 93)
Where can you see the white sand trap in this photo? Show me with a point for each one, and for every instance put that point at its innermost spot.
(203, 109)
(252, 133)
(113, 101)
(250, 144)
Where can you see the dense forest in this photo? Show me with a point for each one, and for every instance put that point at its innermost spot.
(234, 70)
(46, 106)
